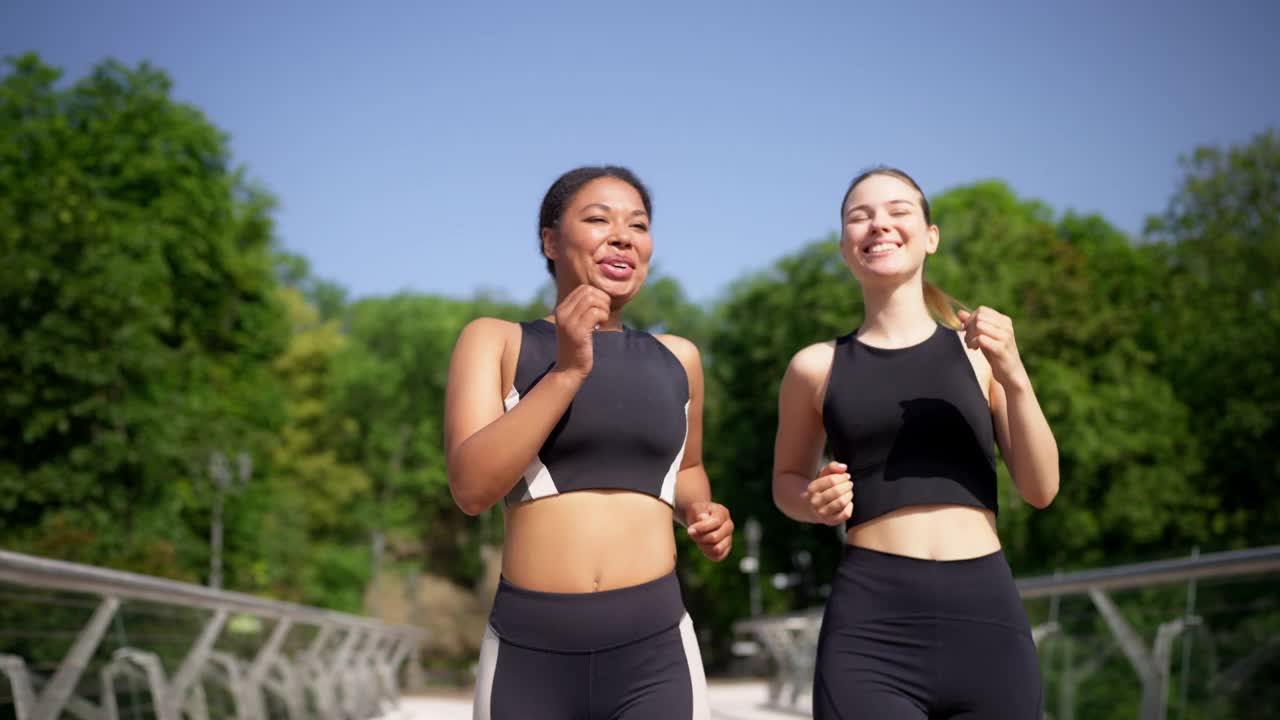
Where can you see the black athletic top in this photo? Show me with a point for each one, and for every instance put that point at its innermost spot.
(912, 425)
(624, 430)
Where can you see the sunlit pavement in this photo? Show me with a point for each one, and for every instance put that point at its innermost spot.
(734, 700)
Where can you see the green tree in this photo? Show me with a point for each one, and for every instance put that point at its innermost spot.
(326, 296)
(1219, 326)
(806, 297)
(140, 318)
(1216, 332)
(313, 552)
(1081, 296)
(390, 382)
(662, 307)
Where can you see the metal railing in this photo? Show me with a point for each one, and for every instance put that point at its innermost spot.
(1159, 572)
(790, 640)
(348, 669)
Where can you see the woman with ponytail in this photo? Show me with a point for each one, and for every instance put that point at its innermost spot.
(923, 620)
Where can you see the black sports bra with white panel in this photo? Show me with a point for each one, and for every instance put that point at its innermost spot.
(626, 427)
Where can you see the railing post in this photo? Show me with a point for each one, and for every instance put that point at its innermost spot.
(1152, 667)
(256, 675)
(1072, 675)
(151, 670)
(55, 695)
(24, 701)
(189, 671)
(350, 677)
(1184, 678)
(237, 683)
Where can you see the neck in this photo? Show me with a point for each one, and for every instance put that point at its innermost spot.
(896, 315)
(615, 310)
(614, 323)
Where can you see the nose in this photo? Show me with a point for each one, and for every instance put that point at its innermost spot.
(620, 238)
(880, 223)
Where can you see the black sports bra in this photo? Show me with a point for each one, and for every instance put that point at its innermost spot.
(911, 424)
(624, 430)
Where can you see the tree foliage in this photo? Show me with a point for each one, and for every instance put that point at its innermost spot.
(140, 314)
(151, 318)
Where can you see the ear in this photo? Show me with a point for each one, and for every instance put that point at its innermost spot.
(935, 235)
(549, 248)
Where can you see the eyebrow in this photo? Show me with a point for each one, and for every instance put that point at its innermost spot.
(602, 206)
(868, 207)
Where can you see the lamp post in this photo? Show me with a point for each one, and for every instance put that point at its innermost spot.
(223, 482)
(750, 564)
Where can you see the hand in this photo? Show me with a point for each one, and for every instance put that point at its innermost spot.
(577, 317)
(992, 333)
(831, 494)
(711, 528)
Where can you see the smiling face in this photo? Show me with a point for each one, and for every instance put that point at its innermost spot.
(886, 231)
(601, 239)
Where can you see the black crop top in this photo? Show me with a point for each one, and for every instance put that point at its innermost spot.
(911, 424)
(625, 429)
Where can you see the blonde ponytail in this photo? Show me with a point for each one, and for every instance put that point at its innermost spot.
(942, 306)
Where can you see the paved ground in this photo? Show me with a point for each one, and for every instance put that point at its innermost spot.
(735, 700)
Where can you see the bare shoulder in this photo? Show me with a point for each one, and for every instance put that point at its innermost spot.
(813, 363)
(684, 350)
(805, 381)
(487, 340)
(485, 330)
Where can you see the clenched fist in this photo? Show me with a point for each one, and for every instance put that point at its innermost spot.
(831, 494)
(992, 333)
(577, 317)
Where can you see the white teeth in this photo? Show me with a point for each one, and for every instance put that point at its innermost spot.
(881, 247)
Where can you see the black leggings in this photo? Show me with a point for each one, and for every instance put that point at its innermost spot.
(626, 654)
(915, 639)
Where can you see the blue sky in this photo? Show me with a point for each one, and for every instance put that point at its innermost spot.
(410, 143)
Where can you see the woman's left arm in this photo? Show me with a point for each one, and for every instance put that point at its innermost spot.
(1023, 433)
(708, 523)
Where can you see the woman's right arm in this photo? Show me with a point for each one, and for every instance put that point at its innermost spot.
(487, 449)
(798, 446)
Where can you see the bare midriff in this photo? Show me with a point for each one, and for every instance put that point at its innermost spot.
(588, 541)
(930, 532)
